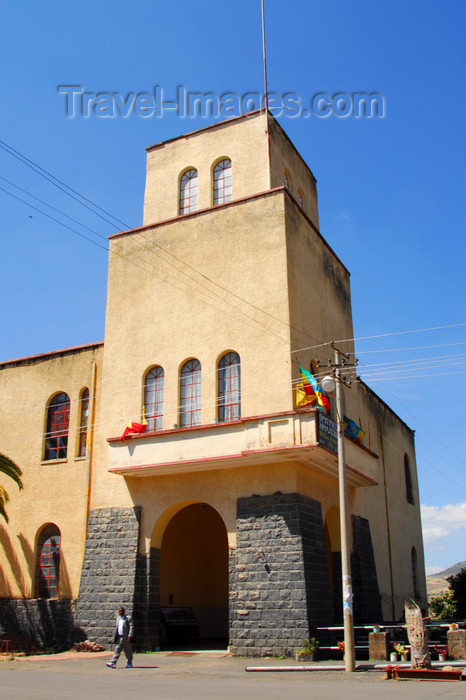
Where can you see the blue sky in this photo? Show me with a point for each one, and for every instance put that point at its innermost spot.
(390, 189)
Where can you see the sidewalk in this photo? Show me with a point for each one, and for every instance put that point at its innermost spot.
(199, 675)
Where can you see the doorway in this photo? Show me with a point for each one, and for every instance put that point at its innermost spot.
(194, 578)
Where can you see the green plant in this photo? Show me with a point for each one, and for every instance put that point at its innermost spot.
(309, 646)
(457, 585)
(400, 649)
(8, 467)
(443, 606)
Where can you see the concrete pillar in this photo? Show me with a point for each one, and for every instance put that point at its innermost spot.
(379, 646)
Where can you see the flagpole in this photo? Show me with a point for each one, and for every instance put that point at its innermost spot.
(266, 99)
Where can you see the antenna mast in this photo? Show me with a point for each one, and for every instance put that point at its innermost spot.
(266, 99)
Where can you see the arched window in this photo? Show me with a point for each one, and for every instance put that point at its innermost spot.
(154, 387)
(408, 481)
(48, 562)
(287, 179)
(229, 387)
(415, 572)
(300, 198)
(83, 420)
(58, 422)
(190, 394)
(188, 191)
(222, 182)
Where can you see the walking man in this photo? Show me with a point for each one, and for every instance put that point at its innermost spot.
(123, 637)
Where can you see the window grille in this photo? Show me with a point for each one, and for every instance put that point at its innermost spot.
(154, 389)
(58, 421)
(190, 394)
(84, 417)
(188, 192)
(222, 182)
(229, 387)
(49, 562)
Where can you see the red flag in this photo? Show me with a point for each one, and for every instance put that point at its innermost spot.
(133, 427)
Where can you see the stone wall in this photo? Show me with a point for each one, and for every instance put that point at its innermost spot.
(146, 610)
(279, 585)
(367, 602)
(48, 623)
(109, 573)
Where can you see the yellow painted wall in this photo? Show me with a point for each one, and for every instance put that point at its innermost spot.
(253, 277)
(285, 158)
(54, 491)
(243, 140)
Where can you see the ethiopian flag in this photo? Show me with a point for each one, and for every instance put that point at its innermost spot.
(305, 395)
(352, 430)
(310, 381)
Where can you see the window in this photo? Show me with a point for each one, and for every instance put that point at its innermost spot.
(83, 419)
(409, 482)
(58, 421)
(188, 192)
(48, 554)
(190, 394)
(300, 198)
(229, 387)
(222, 182)
(287, 179)
(154, 387)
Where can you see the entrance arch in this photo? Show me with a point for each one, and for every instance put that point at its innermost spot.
(193, 543)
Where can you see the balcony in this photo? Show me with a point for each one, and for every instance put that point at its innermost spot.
(307, 437)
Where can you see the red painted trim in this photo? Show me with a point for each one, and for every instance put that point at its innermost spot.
(280, 449)
(241, 200)
(52, 353)
(209, 426)
(199, 212)
(218, 125)
(367, 478)
(225, 458)
(175, 463)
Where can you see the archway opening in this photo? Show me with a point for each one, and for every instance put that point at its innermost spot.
(333, 546)
(194, 576)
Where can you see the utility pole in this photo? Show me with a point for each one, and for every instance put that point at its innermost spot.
(335, 384)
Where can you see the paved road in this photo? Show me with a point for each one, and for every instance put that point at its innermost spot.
(201, 676)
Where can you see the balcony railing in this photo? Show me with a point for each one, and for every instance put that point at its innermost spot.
(307, 437)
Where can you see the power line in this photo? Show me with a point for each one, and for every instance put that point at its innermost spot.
(57, 183)
(381, 335)
(38, 199)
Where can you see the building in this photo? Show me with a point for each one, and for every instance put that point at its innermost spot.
(227, 504)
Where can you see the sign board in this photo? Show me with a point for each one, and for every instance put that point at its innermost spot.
(327, 434)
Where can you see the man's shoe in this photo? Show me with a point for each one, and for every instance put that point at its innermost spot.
(129, 665)
(111, 665)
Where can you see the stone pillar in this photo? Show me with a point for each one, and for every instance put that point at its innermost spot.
(379, 646)
(279, 582)
(108, 577)
(146, 610)
(367, 602)
(456, 644)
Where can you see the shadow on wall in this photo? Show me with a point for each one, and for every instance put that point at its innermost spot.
(47, 622)
(15, 565)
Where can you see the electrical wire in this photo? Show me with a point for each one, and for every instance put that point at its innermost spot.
(60, 184)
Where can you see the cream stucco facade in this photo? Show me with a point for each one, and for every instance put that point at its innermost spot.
(251, 276)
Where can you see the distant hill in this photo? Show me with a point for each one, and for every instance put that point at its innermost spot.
(437, 583)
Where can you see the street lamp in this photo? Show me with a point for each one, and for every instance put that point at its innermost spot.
(331, 384)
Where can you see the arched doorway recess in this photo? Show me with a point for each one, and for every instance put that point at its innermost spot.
(194, 569)
(333, 546)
